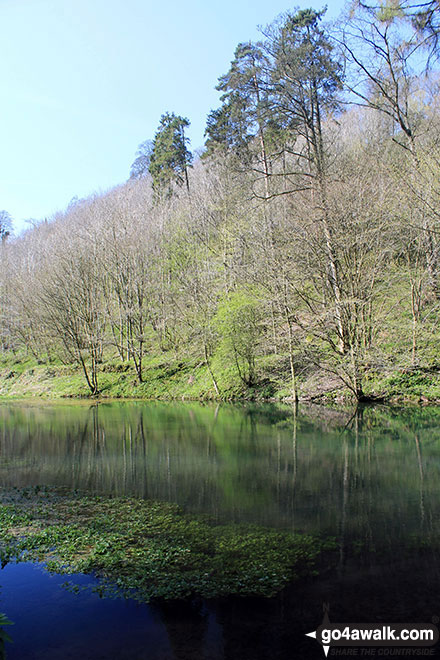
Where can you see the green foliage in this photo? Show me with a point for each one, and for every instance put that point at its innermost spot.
(151, 550)
(170, 157)
(389, 11)
(305, 59)
(226, 130)
(238, 319)
(411, 384)
(243, 115)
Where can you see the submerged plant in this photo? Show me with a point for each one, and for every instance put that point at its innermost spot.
(152, 550)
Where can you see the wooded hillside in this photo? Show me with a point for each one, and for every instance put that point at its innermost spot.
(304, 240)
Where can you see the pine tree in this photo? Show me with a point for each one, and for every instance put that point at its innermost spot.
(170, 157)
(239, 125)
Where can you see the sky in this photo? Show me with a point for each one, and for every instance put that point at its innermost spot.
(84, 82)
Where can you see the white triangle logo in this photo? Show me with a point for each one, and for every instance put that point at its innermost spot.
(325, 647)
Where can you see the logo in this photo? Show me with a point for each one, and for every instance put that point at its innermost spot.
(374, 635)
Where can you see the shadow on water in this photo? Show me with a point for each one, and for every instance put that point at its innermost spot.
(54, 624)
(369, 478)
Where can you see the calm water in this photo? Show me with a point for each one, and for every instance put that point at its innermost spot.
(371, 479)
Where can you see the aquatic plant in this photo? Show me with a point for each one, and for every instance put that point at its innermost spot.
(151, 550)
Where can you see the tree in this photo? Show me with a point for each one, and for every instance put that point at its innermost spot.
(241, 122)
(389, 48)
(306, 78)
(141, 164)
(239, 318)
(127, 265)
(421, 18)
(227, 131)
(305, 81)
(5, 225)
(170, 157)
(382, 67)
(74, 313)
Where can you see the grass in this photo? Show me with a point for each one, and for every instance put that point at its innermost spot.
(150, 550)
(414, 385)
(167, 377)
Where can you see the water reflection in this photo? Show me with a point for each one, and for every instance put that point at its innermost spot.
(368, 477)
(335, 472)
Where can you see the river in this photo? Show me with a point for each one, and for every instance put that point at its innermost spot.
(369, 477)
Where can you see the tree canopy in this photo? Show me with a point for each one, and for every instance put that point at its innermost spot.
(170, 157)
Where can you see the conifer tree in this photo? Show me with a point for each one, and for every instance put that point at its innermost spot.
(170, 158)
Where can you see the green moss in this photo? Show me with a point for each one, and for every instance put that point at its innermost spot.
(151, 550)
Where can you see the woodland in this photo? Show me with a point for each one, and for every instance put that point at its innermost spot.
(297, 252)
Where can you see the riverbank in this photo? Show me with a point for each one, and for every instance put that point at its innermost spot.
(168, 378)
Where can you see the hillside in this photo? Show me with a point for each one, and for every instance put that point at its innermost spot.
(297, 256)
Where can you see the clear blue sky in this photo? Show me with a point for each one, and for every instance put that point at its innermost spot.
(83, 82)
